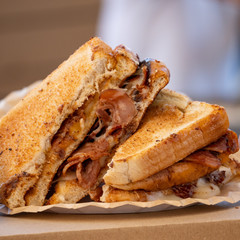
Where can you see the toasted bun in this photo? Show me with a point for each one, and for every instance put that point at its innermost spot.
(172, 128)
(26, 131)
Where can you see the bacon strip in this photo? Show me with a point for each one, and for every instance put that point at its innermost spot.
(87, 176)
(185, 190)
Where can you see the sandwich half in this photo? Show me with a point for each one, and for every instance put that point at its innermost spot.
(62, 105)
(181, 149)
(42, 131)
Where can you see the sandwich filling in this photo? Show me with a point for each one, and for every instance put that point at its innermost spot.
(116, 111)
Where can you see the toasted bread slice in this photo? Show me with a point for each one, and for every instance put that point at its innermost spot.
(28, 129)
(172, 128)
(65, 190)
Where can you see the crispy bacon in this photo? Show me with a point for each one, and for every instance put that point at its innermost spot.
(87, 173)
(85, 161)
(95, 194)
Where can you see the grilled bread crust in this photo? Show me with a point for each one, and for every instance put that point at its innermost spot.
(172, 128)
(27, 130)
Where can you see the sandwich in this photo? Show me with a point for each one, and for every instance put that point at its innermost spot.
(90, 104)
(182, 149)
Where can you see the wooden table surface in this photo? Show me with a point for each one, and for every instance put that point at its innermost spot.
(196, 222)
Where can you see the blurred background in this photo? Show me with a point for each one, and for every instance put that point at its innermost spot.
(198, 40)
(36, 36)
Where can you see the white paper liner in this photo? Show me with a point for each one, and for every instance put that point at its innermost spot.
(230, 193)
